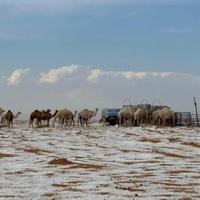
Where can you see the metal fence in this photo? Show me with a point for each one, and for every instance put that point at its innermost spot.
(186, 119)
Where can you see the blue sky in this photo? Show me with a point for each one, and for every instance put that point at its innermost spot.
(137, 41)
(141, 35)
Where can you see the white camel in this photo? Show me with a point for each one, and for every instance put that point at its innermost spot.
(164, 117)
(64, 117)
(85, 116)
(126, 115)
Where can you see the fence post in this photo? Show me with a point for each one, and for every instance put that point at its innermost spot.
(196, 110)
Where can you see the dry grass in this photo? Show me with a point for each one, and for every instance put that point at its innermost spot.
(193, 144)
(174, 155)
(74, 165)
(150, 140)
(5, 155)
(36, 151)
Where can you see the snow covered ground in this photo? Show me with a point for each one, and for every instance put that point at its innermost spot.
(100, 163)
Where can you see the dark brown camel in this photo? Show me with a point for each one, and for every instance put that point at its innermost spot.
(41, 116)
(9, 118)
(35, 115)
(46, 116)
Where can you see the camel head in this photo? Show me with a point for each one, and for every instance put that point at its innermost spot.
(53, 115)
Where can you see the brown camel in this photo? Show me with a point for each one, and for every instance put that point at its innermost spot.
(41, 116)
(35, 115)
(3, 120)
(9, 118)
(46, 116)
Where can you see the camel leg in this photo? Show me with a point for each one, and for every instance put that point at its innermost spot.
(119, 120)
(65, 123)
(78, 123)
(30, 123)
(38, 122)
(53, 124)
(8, 124)
(81, 122)
(2, 121)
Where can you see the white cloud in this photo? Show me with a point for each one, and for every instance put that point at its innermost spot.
(163, 74)
(17, 75)
(94, 75)
(54, 75)
(84, 86)
(134, 75)
(97, 74)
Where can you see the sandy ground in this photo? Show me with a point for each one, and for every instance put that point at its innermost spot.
(100, 163)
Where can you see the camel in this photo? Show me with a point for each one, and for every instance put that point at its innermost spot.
(9, 118)
(167, 116)
(46, 116)
(145, 112)
(126, 114)
(150, 118)
(64, 116)
(35, 115)
(41, 116)
(141, 115)
(164, 116)
(3, 117)
(68, 120)
(156, 117)
(85, 115)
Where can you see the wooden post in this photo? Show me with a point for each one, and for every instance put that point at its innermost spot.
(196, 110)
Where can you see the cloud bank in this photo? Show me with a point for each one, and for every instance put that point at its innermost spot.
(78, 87)
(55, 75)
(17, 76)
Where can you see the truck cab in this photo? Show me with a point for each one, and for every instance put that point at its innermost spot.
(110, 116)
